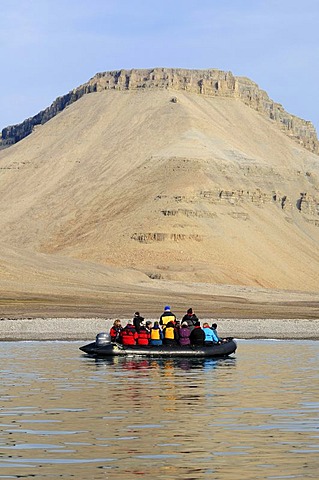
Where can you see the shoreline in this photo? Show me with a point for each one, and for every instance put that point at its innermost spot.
(68, 329)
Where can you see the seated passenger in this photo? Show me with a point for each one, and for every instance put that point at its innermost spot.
(116, 330)
(197, 336)
(210, 336)
(156, 335)
(214, 328)
(148, 326)
(177, 326)
(183, 334)
(143, 336)
(128, 335)
(169, 334)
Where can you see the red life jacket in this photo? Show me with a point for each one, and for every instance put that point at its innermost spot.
(143, 337)
(128, 335)
(115, 333)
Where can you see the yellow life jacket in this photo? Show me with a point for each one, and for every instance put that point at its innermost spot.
(168, 318)
(155, 334)
(169, 333)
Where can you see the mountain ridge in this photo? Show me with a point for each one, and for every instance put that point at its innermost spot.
(210, 83)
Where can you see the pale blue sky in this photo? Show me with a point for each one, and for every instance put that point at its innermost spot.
(49, 47)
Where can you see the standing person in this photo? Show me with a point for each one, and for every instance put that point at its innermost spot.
(137, 320)
(116, 330)
(169, 334)
(197, 336)
(156, 335)
(167, 316)
(129, 335)
(184, 334)
(210, 336)
(190, 318)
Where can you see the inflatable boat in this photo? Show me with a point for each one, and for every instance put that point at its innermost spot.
(103, 347)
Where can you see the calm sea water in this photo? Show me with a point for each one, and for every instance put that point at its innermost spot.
(64, 415)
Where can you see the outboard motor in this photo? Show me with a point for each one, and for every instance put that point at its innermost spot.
(103, 339)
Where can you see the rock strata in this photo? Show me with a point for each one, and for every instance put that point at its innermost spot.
(210, 83)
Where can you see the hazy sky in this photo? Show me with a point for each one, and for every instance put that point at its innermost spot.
(49, 47)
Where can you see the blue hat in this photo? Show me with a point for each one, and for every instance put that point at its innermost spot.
(167, 308)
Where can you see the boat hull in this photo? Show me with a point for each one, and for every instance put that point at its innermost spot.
(114, 349)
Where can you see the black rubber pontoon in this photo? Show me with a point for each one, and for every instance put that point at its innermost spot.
(114, 349)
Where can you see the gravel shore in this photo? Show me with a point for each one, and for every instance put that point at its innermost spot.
(87, 328)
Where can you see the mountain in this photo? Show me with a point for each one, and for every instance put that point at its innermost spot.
(158, 179)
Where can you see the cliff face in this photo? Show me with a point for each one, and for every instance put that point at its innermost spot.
(211, 83)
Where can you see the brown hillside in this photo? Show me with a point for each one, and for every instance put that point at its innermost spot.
(199, 190)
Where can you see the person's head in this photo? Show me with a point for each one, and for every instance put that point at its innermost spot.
(197, 324)
(167, 308)
(136, 314)
(148, 323)
(170, 324)
(117, 323)
(190, 311)
(214, 326)
(184, 324)
(156, 325)
(205, 325)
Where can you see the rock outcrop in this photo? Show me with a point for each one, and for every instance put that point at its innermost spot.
(210, 82)
(234, 201)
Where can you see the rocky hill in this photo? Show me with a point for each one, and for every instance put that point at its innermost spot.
(140, 193)
(210, 83)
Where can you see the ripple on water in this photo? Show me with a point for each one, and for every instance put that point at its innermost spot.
(251, 417)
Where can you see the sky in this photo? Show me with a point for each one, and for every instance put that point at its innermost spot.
(49, 47)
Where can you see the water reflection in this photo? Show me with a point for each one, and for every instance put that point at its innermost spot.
(64, 415)
(131, 363)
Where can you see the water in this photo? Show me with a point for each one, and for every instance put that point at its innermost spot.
(64, 415)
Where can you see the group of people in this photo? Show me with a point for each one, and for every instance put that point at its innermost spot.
(167, 331)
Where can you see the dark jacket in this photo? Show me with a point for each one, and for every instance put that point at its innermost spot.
(166, 317)
(190, 319)
(197, 336)
(115, 333)
(137, 320)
